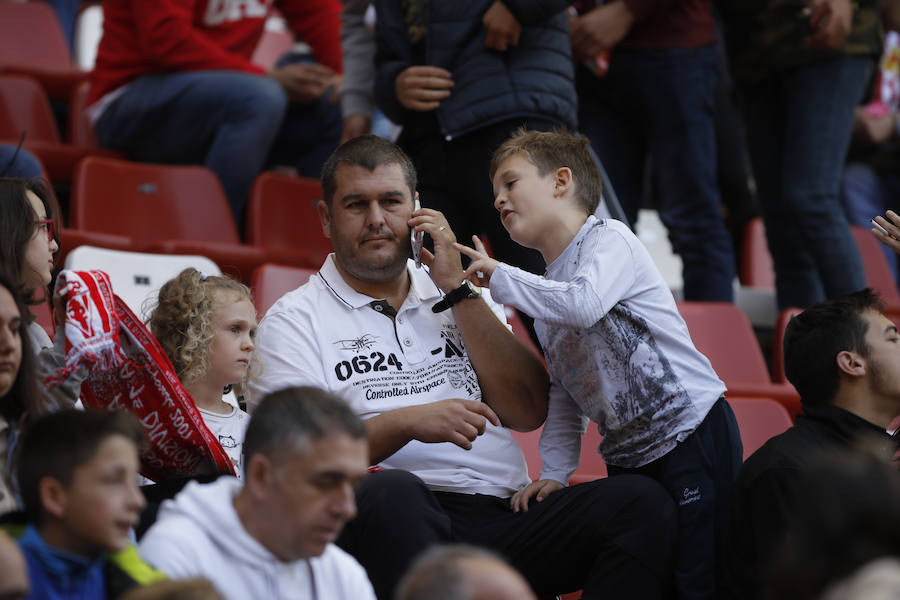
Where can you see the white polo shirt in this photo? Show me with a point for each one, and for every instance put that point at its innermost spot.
(326, 334)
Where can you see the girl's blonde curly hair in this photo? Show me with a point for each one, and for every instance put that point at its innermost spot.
(183, 318)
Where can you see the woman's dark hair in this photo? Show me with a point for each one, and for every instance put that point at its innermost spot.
(24, 397)
(17, 225)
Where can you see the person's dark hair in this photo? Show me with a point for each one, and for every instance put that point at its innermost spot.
(288, 419)
(24, 397)
(57, 444)
(17, 224)
(848, 515)
(551, 150)
(370, 152)
(816, 336)
(439, 573)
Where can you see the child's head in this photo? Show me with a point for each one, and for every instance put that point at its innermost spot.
(206, 325)
(28, 218)
(552, 150)
(77, 474)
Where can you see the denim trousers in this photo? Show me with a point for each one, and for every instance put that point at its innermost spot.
(798, 130)
(235, 123)
(866, 194)
(655, 107)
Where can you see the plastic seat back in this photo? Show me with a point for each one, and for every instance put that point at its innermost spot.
(81, 131)
(137, 276)
(271, 46)
(150, 202)
(756, 262)
(270, 282)
(282, 214)
(24, 107)
(30, 36)
(759, 419)
(778, 343)
(722, 332)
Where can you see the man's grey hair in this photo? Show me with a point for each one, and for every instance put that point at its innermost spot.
(439, 574)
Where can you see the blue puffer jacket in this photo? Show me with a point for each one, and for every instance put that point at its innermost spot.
(534, 79)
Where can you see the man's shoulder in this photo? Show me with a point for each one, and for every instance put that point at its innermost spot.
(343, 574)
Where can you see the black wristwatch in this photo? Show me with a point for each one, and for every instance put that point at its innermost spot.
(465, 290)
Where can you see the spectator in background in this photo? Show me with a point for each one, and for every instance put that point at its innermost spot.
(173, 83)
(801, 68)
(655, 104)
(20, 399)
(206, 324)
(78, 479)
(28, 246)
(460, 78)
(843, 356)
(462, 572)
(439, 382)
(847, 529)
(272, 536)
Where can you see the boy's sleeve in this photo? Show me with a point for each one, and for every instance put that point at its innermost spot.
(560, 444)
(605, 277)
(287, 353)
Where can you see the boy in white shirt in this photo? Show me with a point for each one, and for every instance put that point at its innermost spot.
(617, 349)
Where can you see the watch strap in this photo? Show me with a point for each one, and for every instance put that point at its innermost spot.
(465, 290)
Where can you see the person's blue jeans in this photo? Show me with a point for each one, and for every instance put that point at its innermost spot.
(657, 106)
(234, 123)
(798, 130)
(866, 194)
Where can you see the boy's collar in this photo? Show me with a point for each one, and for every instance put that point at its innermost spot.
(54, 559)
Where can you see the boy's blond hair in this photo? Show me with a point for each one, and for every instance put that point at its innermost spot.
(550, 150)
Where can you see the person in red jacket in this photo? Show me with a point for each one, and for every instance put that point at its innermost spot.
(173, 83)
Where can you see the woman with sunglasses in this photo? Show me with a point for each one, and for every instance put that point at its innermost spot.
(28, 245)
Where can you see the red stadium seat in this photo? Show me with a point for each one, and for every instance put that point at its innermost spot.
(32, 43)
(270, 282)
(282, 214)
(81, 130)
(756, 262)
(759, 419)
(24, 108)
(778, 343)
(722, 332)
(167, 209)
(878, 272)
(590, 467)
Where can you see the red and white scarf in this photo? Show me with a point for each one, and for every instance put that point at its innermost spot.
(129, 369)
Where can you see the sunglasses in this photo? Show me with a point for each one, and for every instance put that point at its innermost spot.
(47, 226)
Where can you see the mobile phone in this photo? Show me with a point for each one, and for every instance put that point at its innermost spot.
(416, 238)
(880, 228)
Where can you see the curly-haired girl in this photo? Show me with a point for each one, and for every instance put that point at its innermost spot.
(206, 325)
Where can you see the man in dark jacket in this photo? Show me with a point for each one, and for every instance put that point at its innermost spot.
(843, 356)
(460, 77)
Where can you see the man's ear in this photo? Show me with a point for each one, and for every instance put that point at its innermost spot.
(53, 496)
(563, 181)
(258, 473)
(851, 363)
(324, 217)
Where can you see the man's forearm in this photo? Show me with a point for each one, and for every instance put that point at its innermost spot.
(513, 380)
(387, 433)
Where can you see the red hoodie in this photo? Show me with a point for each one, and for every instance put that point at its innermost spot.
(159, 36)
